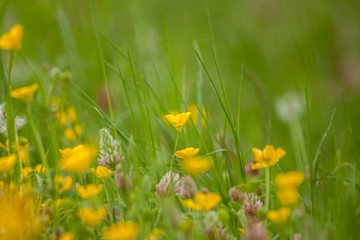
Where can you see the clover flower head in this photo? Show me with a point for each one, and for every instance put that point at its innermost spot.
(252, 204)
(164, 186)
(110, 153)
(188, 187)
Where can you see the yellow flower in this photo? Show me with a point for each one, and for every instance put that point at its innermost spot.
(24, 93)
(7, 163)
(72, 114)
(39, 167)
(89, 190)
(280, 215)
(66, 236)
(187, 152)
(12, 39)
(22, 147)
(288, 183)
(195, 114)
(121, 231)
(73, 133)
(289, 180)
(91, 216)
(203, 202)
(62, 118)
(102, 172)
(65, 182)
(196, 165)
(267, 157)
(25, 171)
(178, 120)
(77, 159)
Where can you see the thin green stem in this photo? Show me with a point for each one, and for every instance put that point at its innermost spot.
(173, 156)
(267, 177)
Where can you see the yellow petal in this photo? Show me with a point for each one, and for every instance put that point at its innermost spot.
(121, 231)
(24, 93)
(7, 163)
(196, 165)
(89, 190)
(12, 39)
(187, 152)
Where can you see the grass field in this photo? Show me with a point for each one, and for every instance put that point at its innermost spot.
(179, 119)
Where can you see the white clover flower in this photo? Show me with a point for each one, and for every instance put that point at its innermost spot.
(290, 106)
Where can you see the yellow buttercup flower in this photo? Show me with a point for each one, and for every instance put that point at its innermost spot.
(280, 215)
(289, 180)
(7, 163)
(91, 216)
(187, 152)
(267, 157)
(64, 236)
(89, 190)
(121, 231)
(101, 172)
(24, 93)
(73, 133)
(288, 183)
(77, 159)
(203, 202)
(178, 120)
(39, 167)
(12, 39)
(22, 148)
(25, 171)
(195, 165)
(64, 182)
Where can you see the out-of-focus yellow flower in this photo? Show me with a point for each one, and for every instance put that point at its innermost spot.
(178, 120)
(155, 234)
(12, 39)
(195, 114)
(24, 93)
(280, 215)
(7, 163)
(63, 118)
(203, 202)
(73, 134)
(65, 183)
(196, 165)
(288, 183)
(77, 159)
(39, 167)
(102, 172)
(72, 114)
(25, 171)
(289, 180)
(89, 190)
(121, 231)
(187, 152)
(22, 147)
(267, 157)
(91, 216)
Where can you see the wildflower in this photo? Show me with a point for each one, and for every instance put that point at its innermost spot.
(290, 106)
(187, 152)
(249, 171)
(255, 231)
(267, 157)
(73, 134)
(64, 182)
(12, 39)
(22, 148)
(280, 215)
(195, 114)
(77, 159)
(235, 194)
(7, 163)
(188, 187)
(25, 171)
(203, 202)
(24, 93)
(64, 236)
(196, 165)
(251, 205)
(89, 190)
(120, 181)
(91, 216)
(110, 152)
(39, 168)
(164, 186)
(102, 172)
(178, 120)
(288, 183)
(121, 231)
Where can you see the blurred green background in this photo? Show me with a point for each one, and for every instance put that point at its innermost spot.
(309, 49)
